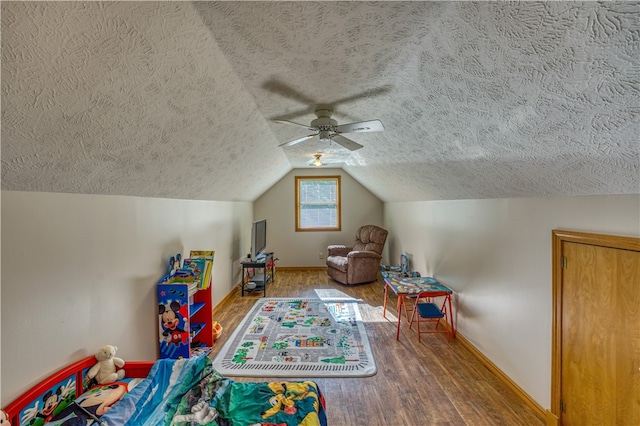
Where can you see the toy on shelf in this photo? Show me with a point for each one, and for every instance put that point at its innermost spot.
(201, 263)
(401, 271)
(177, 274)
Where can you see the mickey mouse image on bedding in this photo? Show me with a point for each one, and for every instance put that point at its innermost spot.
(90, 406)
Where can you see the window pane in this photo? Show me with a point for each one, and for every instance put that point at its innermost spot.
(318, 216)
(318, 203)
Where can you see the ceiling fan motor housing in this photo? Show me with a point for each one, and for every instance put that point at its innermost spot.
(324, 135)
(325, 124)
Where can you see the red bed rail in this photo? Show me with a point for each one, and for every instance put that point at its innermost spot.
(132, 368)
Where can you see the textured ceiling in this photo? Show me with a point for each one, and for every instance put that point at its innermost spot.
(177, 99)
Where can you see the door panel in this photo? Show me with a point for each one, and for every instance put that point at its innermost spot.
(600, 329)
(628, 343)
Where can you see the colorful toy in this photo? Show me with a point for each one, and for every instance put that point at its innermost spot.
(217, 330)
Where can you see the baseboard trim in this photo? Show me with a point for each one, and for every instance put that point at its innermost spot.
(552, 419)
(531, 403)
(227, 297)
(278, 268)
(301, 268)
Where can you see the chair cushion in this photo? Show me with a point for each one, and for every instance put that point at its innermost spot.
(429, 310)
(338, 262)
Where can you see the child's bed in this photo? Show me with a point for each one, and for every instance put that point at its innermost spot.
(166, 392)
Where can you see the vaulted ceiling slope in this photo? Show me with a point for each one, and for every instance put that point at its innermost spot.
(178, 99)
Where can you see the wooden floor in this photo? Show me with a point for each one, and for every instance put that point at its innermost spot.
(434, 382)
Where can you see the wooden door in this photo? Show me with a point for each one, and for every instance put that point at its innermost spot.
(599, 331)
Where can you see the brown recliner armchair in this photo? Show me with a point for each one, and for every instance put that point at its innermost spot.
(361, 262)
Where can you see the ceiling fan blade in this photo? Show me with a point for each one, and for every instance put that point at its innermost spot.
(295, 141)
(361, 126)
(296, 114)
(282, 89)
(366, 94)
(291, 122)
(347, 143)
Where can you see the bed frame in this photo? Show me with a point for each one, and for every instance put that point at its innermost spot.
(74, 372)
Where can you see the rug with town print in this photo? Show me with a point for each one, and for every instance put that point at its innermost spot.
(292, 337)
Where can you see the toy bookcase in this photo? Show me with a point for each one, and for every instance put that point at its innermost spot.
(185, 314)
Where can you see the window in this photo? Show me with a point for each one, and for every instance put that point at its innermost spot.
(318, 203)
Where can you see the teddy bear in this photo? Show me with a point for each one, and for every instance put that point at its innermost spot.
(105, 369)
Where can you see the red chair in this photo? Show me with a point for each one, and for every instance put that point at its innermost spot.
(425, 311)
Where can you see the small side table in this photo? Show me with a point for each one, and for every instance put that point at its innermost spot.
(267, 264)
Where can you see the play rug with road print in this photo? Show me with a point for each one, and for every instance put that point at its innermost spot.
(292, 337)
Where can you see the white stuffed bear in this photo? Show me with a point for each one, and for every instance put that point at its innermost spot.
(105, 369)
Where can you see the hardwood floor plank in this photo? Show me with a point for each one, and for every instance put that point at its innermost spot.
(435, 382)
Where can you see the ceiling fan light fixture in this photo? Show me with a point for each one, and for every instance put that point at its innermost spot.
(325, 135)
(317, 162)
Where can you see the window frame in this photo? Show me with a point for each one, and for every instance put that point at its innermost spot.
(298, 181)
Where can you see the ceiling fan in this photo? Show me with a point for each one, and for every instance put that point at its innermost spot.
(327, 129)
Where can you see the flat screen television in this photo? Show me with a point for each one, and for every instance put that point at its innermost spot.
(258, 238)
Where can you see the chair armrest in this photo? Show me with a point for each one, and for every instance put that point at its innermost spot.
(364, 254)
(339, 250)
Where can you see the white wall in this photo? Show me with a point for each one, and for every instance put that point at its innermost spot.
(299, 249)
(496, 255)
(79, 272)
